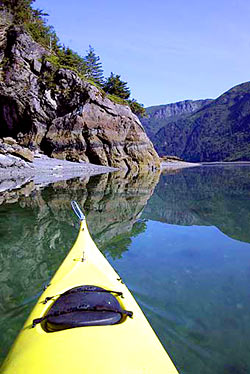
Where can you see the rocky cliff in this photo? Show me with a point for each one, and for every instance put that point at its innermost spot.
(53, 110)
(218, 131)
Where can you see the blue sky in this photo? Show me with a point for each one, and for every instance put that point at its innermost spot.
(167, 51)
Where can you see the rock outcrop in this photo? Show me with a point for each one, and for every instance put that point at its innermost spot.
(18, 165)
(9, 146)
(53, 110)
(15, 163)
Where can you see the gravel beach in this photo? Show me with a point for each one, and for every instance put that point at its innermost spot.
(48, 170)
(170, 165)
(44, 170)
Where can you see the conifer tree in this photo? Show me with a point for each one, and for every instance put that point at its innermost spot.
(71, 59)
(93, 67)
(137, 108)
(115, 86)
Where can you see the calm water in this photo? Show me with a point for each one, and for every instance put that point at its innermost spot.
(180, 243)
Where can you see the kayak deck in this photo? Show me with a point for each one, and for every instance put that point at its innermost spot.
(129, 347)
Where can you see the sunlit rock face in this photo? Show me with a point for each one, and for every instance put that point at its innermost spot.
(53, 110)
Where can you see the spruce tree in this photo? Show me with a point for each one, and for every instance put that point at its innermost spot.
(115, 86)
(137, 108)
(71, 59)
(93, 67)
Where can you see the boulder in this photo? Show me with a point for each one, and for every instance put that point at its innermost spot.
(9, 146)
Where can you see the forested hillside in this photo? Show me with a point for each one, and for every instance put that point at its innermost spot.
(160, 115)
(219, 130)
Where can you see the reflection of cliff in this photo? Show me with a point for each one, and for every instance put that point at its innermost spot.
(114, 208)
(36, 232)
(38, 228)
(217, 196)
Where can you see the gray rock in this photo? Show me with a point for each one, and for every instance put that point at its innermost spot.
(9, 140)
(36, 66)
(7, 161)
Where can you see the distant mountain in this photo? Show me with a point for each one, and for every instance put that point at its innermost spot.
(160, 115)
(212, 130)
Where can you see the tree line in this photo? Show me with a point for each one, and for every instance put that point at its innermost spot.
(88, 67)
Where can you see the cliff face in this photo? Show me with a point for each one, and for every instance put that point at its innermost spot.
(160, 115)
(218, 131)
(55, 111)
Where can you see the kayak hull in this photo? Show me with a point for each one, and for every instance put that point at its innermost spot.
(129, 347)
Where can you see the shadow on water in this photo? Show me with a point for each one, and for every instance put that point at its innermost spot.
(180, 243)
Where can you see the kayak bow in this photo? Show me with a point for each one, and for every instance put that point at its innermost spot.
(87, 322)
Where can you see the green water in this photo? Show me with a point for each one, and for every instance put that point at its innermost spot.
(181, 244)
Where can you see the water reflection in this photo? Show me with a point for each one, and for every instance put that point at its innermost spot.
(167, 242)
(216, 196)
(193, 284)
(37, 228)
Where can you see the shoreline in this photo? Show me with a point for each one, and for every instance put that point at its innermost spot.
(45, 170)
(171, 165)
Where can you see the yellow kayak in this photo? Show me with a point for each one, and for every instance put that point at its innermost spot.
(87, 322)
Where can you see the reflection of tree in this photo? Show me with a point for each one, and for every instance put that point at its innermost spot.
(121, 242)
(138, 228)
(217, 196)
(113, 207)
